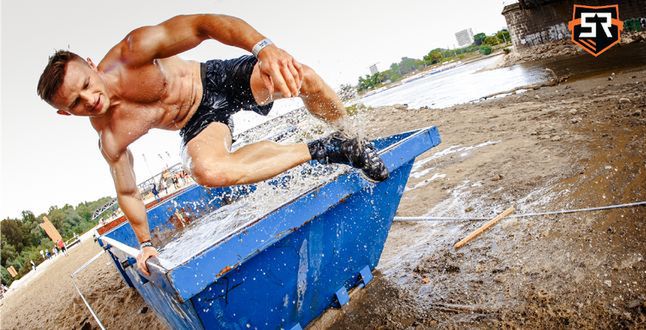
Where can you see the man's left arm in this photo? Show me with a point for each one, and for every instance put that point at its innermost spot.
(281, 72)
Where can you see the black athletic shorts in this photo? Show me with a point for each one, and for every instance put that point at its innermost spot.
(226, 90)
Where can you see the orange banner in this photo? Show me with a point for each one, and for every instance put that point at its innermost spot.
(12, 271)
(51, 231)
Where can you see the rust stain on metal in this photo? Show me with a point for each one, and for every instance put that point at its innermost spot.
(224, 271)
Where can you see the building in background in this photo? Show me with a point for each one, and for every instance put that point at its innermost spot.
(373, 69)
(464, 37)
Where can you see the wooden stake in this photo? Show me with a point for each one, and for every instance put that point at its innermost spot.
(484, 227)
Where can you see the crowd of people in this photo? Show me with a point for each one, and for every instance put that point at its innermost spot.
(58, 248)
(167, 183)
(157, 188)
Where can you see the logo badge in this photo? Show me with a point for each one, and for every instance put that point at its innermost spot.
(596, 28)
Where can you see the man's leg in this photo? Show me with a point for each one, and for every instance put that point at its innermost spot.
(213, 165)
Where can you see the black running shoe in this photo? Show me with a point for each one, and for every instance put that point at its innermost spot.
(358, 154)
(374, 167)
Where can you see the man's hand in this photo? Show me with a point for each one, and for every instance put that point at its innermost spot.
(144, 254)
(280, 71)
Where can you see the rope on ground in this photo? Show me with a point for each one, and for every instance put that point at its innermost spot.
(587, 209)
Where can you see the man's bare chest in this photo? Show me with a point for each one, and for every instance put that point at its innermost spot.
(144, 86)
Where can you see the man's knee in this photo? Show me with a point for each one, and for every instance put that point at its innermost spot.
(312, 82)
(212, 175)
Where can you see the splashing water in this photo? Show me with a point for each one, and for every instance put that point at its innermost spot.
(267, 196)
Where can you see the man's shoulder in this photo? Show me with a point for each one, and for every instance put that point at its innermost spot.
(111, 60)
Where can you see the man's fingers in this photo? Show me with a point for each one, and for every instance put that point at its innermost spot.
(268, 84)
(279, 81)
(289, 80)
(146, 253)
(297, 77)
(141, 264)
(299, 68)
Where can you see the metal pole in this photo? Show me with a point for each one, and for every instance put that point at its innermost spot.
(87, 304)
(147, 166)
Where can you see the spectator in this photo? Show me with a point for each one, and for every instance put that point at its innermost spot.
(155, 191)
(61, 246)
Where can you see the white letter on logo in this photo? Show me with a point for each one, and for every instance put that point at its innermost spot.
(593, 25)
(607, 24)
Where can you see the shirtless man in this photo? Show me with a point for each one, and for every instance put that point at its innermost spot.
(141, 84)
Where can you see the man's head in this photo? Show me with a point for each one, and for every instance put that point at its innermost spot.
(73, 86)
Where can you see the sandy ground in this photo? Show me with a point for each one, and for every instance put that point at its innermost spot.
(567, 146)
(50, 301)
(573, 145)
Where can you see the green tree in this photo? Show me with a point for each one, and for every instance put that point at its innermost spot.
(391, 75)
(6, 277)
(503, 36)
(7, 250)
(408, 65)
(13, 233)
(370, 81)
(478, 39)
(434, 56)
(491, 40)
(394, 67)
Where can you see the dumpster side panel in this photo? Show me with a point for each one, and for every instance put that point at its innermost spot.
(177, 315)
(294, 280)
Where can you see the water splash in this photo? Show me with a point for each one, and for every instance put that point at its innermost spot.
(267, 196)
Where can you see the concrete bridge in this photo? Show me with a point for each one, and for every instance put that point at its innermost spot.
(534, 22)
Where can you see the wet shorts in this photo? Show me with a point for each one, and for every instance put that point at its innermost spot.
(226, 90)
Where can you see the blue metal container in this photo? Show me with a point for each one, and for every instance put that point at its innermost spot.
(285, 269)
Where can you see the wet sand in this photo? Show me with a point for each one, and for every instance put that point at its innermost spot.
(572, 145)
(569, 146)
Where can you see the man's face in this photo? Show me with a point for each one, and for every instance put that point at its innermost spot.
(83, 92)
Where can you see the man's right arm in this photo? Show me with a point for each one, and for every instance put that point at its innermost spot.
(130, 201)
(280, 71)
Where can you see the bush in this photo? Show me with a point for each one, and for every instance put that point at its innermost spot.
(506, 50)
(491, 41)
(485, 50)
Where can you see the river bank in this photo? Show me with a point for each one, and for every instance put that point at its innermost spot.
(576, 144)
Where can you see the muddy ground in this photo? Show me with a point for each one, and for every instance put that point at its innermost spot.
(574, 145)
(577, 144)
